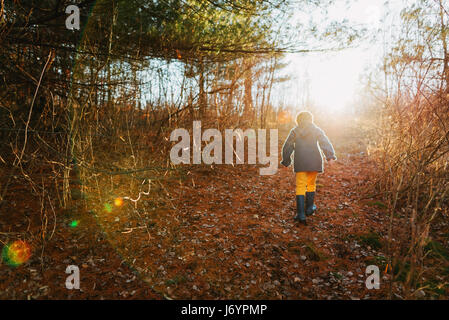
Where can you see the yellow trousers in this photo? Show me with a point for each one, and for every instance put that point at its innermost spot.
(305, 181)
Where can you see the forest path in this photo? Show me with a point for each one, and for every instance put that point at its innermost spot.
(214, 233)
(240, 227)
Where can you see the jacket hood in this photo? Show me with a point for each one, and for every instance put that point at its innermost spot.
(305, 130)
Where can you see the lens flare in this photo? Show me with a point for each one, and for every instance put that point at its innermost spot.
(108, 207)
(74, 224)
(16, 253)
(284, 117)
(118, 202)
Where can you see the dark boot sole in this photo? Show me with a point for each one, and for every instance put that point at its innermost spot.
(311, 214)
(300, 221)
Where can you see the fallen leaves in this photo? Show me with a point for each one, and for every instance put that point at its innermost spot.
(231, 236)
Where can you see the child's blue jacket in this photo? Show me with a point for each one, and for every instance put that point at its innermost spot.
(308, 143)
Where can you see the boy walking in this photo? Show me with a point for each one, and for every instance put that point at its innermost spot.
(308, 143)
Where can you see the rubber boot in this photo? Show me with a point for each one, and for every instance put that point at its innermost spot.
(310, 207)
(300, 209)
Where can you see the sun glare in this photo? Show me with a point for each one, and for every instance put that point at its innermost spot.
(330, 80)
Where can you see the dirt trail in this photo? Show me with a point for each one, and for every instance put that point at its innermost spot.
(246, 245)
(223, 232)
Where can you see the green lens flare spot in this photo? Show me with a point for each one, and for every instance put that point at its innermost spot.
(108, 208)
(74, 224)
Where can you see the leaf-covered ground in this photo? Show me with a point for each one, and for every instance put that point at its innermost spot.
(215, 233)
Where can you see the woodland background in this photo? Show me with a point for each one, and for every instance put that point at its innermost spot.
(85, 119)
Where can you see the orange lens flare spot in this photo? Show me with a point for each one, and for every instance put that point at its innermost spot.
(118, 202)
(284, 117)
(16, 253)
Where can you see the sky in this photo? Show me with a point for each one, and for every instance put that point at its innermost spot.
(332, 80)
